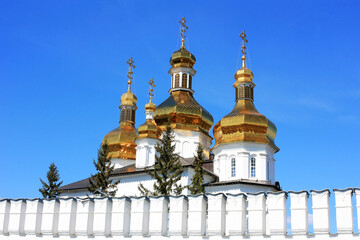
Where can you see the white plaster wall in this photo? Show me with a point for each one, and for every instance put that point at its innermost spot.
(120, 163)
(238, 188)
(243, 152)
(186, 142)
(145, 152)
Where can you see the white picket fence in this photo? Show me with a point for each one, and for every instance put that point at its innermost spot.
(216, 216)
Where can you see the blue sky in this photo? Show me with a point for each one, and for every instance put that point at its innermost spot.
(63, 70)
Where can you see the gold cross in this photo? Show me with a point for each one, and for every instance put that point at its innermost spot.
(183, 30)
(243, 47)
(152, 85)
(129, 75)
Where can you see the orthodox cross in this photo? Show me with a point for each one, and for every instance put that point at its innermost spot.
(183, 31)
(151, 90)
(131, 65)
(243, 47)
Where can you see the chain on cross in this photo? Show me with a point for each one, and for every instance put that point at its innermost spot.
(130, 73)
(151, 90)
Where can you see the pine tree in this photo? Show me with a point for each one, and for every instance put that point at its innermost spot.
(101, 182)
(167, 169)
(197, 180)
(51, 189)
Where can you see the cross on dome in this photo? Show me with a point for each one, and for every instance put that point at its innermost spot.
(151, 90)
(243, 47)
(183, 31)
(130, 73)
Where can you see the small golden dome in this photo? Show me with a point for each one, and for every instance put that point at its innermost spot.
(121, 141)
(183, 112)
(149, 130)
(182, 58)
(128, 99)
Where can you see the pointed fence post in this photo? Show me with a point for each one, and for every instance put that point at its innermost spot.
(216, 214)
(299, 212)
(50, 217)
(67, 216)
(321, 211)
(102, 216)
(158, 216)
(4, 216)
(344, 210)
(84, 216)
(276, 204)
(17, 216)
(120, 216)
(33, 216)
(236, 214)
(256, 213)
(197, 215)
(178, 215)
(139, 225)
(357, 194)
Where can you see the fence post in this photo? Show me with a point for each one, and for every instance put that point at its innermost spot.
(276, 204)
(236, 214)
(344, 210)
(17, 216)
(33, 216)
(197, 215)
(139, 224)
(178, 215)
(102, 216)
(67, 215)
(216, 214)
(357, 194)
(120, 216)
(84, 216)
(4, 216)
(299, 212)
(158, 216)
(256, 213)
(321, 211)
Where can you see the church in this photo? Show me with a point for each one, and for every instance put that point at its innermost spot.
(241, 160)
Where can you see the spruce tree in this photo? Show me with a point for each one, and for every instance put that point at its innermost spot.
(167, 169)
(197, 181)
(101, 182)
(51, 188)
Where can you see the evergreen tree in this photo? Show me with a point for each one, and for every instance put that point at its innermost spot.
(101, 182)
(51, 189)
(197, 180)
(167, 169)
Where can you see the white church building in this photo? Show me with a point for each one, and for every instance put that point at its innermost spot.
(242, 159)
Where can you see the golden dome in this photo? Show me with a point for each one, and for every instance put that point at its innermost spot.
(182, 58)
(121, 141)
(245, 124)
(183, 112)
(149, 129)
(128, 99)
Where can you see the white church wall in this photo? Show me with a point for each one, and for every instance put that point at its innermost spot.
(145, 152)
(236, 188)
(257, 216)
(243, 152)
(120, 163)
(186, 142)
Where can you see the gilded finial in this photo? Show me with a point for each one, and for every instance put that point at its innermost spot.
(130, 73)
(243, 47)
(151, 90)
(183, 31)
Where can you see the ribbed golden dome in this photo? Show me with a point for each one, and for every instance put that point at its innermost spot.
(182, 58)
(128, 99)
(245, 124)
(183, 112)
(121, 141)
(149, 129)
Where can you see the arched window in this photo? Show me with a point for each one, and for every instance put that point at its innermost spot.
(247, 92)
(233, 167)
(190, 81)
(252, 167)
(133, 115)
(241, 92)
(128, 112)
(252, 93)
(184, 80)
(122, 115)
(177, 80)
(236, 93)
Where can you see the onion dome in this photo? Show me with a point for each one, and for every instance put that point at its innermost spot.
(149, 129)
(244, 123)
(121, 140)
(181, 109)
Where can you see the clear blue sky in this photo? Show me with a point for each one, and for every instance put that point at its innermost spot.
(63, 70)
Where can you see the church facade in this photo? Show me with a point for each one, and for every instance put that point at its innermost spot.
(241, 160)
